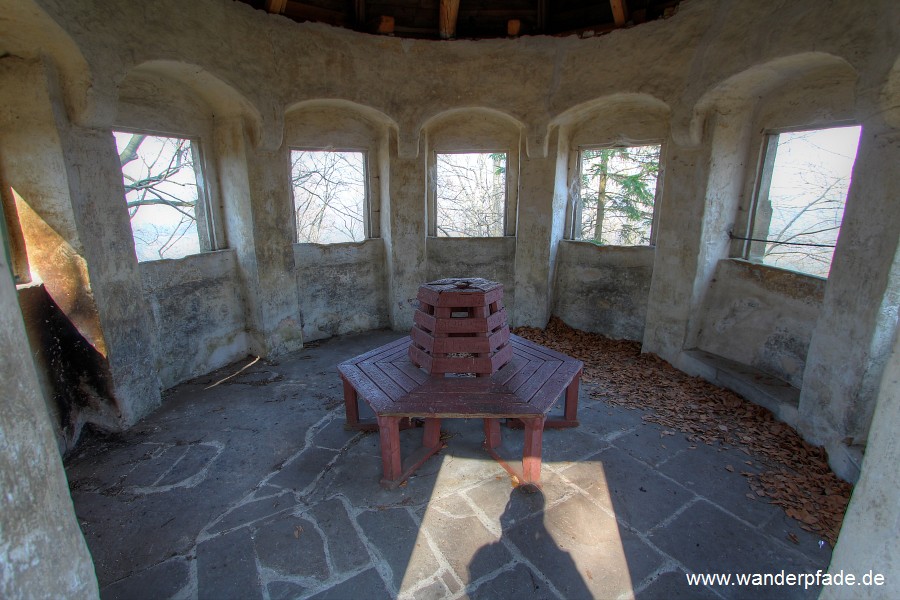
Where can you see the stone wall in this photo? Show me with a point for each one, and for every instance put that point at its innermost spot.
(706, 83)
(604, 289)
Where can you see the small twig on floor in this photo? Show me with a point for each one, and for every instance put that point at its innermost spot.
(224, 379)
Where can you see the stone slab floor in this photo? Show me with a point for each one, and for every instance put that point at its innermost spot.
(253, 489)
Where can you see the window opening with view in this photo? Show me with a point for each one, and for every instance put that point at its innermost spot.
(329, 189)
(163, 192)
(617, 195)
(803, 187)
(470, 194)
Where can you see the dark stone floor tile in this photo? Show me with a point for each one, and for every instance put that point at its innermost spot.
(674, 586)
(285, 590)
(650, 445)
(226, 568)
(567, 445)
(395, 537)
(460, 539)
(518, 582)
(507, 505)
(786, 529)
(346, 549)
(708, 540)
(705, 471)
(291, 545)
(583, 551)
(148, 494)
(301, 471)
(160, 581)
(253, 512)
(629, 488)
(366, 585)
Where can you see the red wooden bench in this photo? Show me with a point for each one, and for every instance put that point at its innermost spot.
(524, 390)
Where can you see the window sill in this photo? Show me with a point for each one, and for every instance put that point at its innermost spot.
(777, 269)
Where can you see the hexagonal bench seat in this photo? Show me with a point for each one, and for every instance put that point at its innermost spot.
(525, 389)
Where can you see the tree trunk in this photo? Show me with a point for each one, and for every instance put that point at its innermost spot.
(601, 197)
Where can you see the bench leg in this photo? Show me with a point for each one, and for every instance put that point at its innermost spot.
(431, 438)
(389, 431)
(572, 399)
(351, 405)
(492, 436)
(570, 410)
(531, 454)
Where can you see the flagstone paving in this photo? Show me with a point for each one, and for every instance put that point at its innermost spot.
(253, 489)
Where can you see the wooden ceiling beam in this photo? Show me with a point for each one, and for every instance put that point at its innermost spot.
(276, 7)
(619, 11)
(447, 18)
(306, 12)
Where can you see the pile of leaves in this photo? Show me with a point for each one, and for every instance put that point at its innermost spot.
(797, 478)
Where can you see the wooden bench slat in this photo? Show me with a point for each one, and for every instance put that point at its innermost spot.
(385, 383)
(365, 387)
(544, 372)
(531, 366)
(397, 375)
(510, 370)
(554, 386)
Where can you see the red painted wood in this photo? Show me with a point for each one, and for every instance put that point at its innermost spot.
(492, 436)
(533, 384)
(501, 357)
(422, 339)
(428, 296)
(351, 406)
(426, 322)
(462, 344)
(571, 410)
(364, 386)
(497, 339)
(442, 312)
(459, 298)
(431, 438)
(531, 454)
(421, 359)
(457, 325)
(377, 376)
(402, 378)
(461, 365)
(389, 431)
(525, 388)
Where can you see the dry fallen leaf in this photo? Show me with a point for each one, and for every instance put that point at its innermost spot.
(793, 472)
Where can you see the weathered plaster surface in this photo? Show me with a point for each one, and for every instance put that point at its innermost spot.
(42, 551)
(74, 377)
(708, 81)
(603, 289)
(341, 288)
(868, 539)
(848, 351)
(762, 317)
(197, 313)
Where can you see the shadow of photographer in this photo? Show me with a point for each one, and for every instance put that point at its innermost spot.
(522, 524)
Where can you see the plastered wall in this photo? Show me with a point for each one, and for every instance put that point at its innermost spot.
(698, 83)
(707, 81)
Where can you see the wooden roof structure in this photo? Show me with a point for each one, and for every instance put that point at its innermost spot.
(473, 19)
